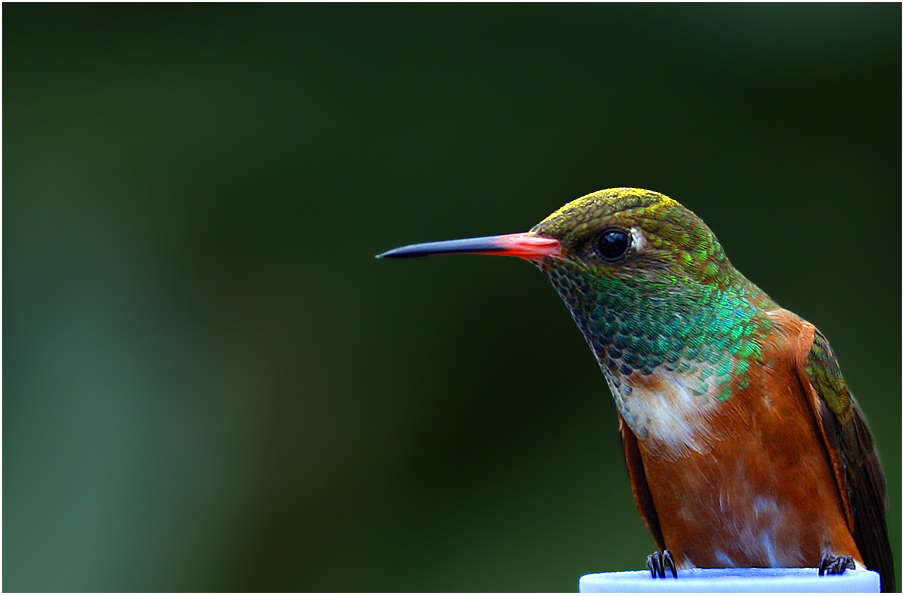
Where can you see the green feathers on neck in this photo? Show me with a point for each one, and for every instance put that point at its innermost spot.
(672, 301)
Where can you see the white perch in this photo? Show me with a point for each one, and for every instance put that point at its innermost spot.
(732, 580)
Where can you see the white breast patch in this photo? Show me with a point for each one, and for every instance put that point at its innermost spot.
(671, 416)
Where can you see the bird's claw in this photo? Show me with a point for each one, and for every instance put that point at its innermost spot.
(832, 565)
(659, 562)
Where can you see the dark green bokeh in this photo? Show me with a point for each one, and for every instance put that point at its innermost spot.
(210, 384)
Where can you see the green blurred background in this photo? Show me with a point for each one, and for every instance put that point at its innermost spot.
(210, 383)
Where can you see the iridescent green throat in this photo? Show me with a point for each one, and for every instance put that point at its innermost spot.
(709, 334)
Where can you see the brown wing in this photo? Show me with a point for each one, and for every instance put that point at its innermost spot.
(851, 449)
(640, 489)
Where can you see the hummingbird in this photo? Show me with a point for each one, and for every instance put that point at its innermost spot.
(744, 445)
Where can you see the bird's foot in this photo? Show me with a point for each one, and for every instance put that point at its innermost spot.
(832, 565)
(659, 562)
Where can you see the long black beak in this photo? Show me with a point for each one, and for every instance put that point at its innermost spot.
(524, 245)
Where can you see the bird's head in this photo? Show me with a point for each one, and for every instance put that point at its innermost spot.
(635, 235)
(624, 235)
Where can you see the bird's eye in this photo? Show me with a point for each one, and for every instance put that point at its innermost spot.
(613, 244)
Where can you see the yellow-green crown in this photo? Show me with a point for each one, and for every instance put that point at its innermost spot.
(667, 238)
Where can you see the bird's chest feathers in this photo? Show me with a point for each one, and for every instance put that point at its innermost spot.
(672, 414)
